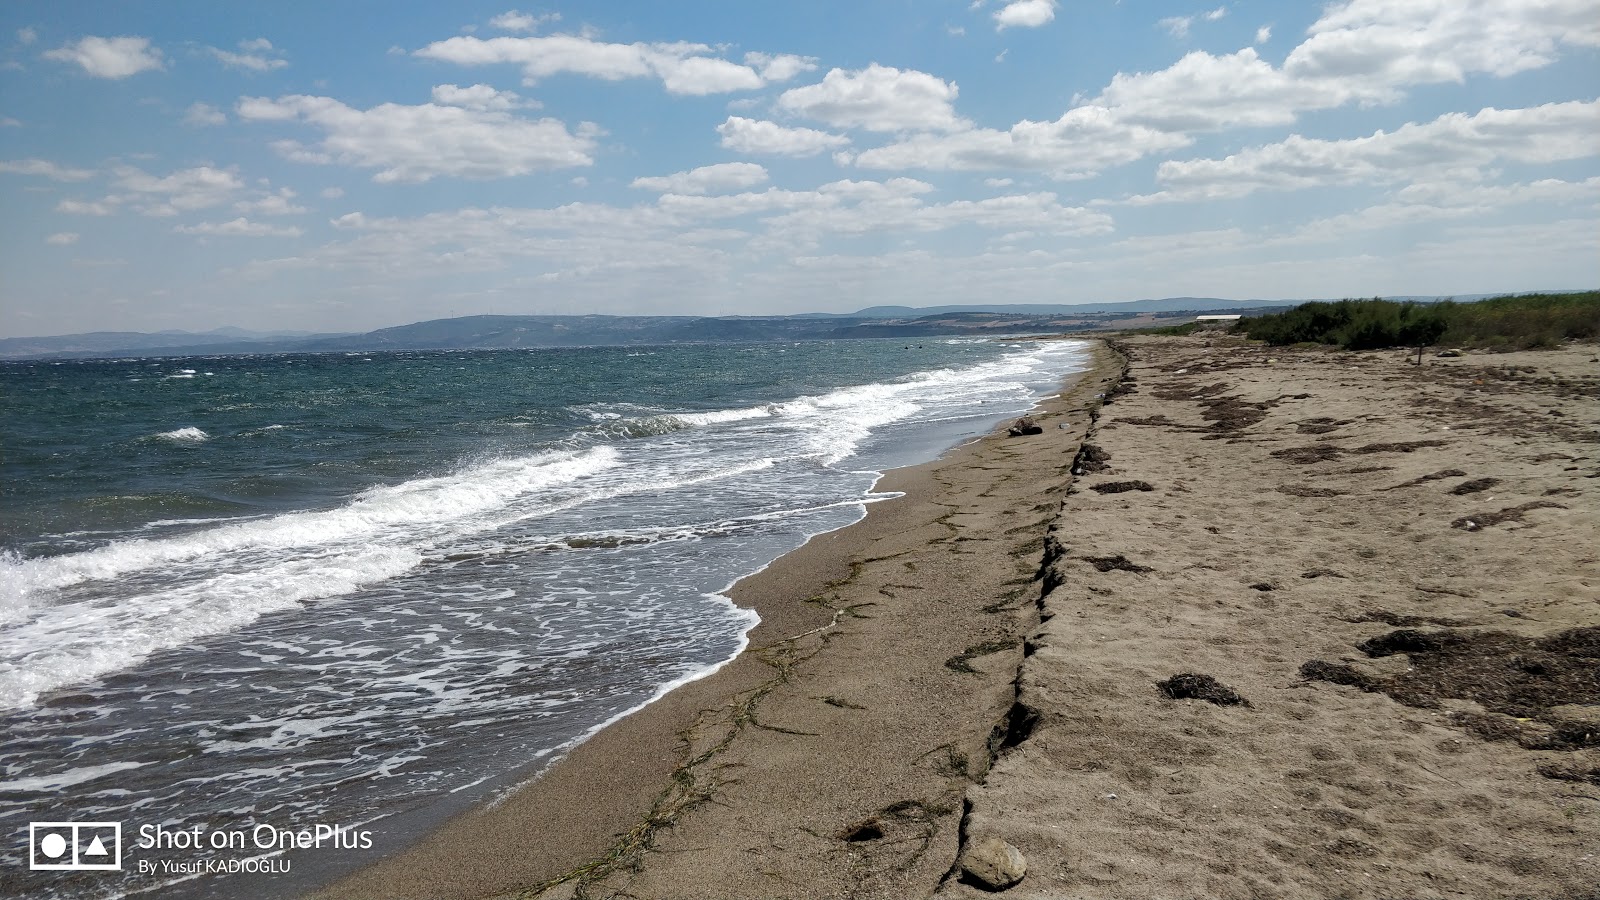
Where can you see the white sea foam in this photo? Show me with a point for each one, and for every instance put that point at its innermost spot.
(51, 783)
(187, 435)
(422, 502)
(74, 642)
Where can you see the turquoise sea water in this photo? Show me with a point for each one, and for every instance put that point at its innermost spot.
(303, 589)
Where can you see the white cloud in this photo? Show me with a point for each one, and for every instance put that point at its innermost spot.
(185, 190)
(332, 193)
(27, 35)
(279, 204)
(201, 114)
(1439, 201)
(418, 143)
(1085, 140)
(717, 179)
(85, 208)
(779, 67)
(8, 122)
(62, 238)
(181, 191)
(759, 136)
(240, 227)
(478, 96)
(253, 59)
(521, 21)
(877, 98)
(1377, 45)
(999, 182)
(1025, 14)
(44, 168)
(116, 57)
(1553, 132)
(1205, 92)
(683, 68)
(1179, 25)
(1263, 34)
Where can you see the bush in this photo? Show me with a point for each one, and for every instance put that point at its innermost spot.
(1536, 320)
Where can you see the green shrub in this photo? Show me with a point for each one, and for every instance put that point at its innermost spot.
(1525, 322)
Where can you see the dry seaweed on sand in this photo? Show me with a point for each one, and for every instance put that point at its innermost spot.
(1474, 486)
(1198, 686)
(1090, 460)
(1509, 514)
(1118, 563)
(1516, 679)
(1118, 487)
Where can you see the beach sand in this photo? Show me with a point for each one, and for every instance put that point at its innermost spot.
(920, 683)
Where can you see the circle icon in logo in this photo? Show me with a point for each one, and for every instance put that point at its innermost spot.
(53, 845)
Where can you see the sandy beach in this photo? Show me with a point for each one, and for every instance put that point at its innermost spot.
(1381, 576)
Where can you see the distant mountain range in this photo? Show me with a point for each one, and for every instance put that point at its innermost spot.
(488, 332)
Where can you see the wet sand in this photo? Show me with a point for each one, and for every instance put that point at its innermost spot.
(1382, 578)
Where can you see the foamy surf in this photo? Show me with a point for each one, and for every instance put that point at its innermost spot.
(320, 663)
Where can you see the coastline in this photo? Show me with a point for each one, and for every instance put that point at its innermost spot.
(1308, 623)
(607, 801)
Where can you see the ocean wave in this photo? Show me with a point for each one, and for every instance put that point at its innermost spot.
(423, 501)
(76, 642)
(186, 435)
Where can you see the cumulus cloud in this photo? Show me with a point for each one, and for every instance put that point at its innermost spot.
(877, 98)
(515, 20)
(682, 67)
(759, 136)
(44, 168)
(240, 227)
(253, 58)
(1459, 142)
(278, 204)
(1025, 14)
(202, 114)
(1085, 140)
(778, 67)
(418, 143)
(478, 96)
(716, 179)
(62, 238)
(114, 57)
(184, 190)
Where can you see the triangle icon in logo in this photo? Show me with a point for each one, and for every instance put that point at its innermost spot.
(96, 848)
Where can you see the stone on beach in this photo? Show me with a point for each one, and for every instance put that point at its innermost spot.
(1024, 426)
(994, 863)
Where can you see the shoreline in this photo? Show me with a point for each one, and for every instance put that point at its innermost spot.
(604, 804)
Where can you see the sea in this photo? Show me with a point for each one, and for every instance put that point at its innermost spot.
(248, 599)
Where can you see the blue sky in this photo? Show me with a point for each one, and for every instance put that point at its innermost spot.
(351, 165)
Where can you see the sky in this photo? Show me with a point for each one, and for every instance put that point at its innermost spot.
(344, 166)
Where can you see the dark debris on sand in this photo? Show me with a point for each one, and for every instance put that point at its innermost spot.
(1519, 680)
(1196, 686)
(1118, 487)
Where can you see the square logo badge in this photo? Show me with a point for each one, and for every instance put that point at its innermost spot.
(75, 846)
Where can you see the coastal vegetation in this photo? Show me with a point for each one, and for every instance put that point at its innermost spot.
(1525, 322)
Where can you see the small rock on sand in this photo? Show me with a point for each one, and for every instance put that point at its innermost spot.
(994, 864)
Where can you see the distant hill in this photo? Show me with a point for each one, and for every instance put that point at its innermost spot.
(494, 332)
(123, 343)
(1169, 304)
